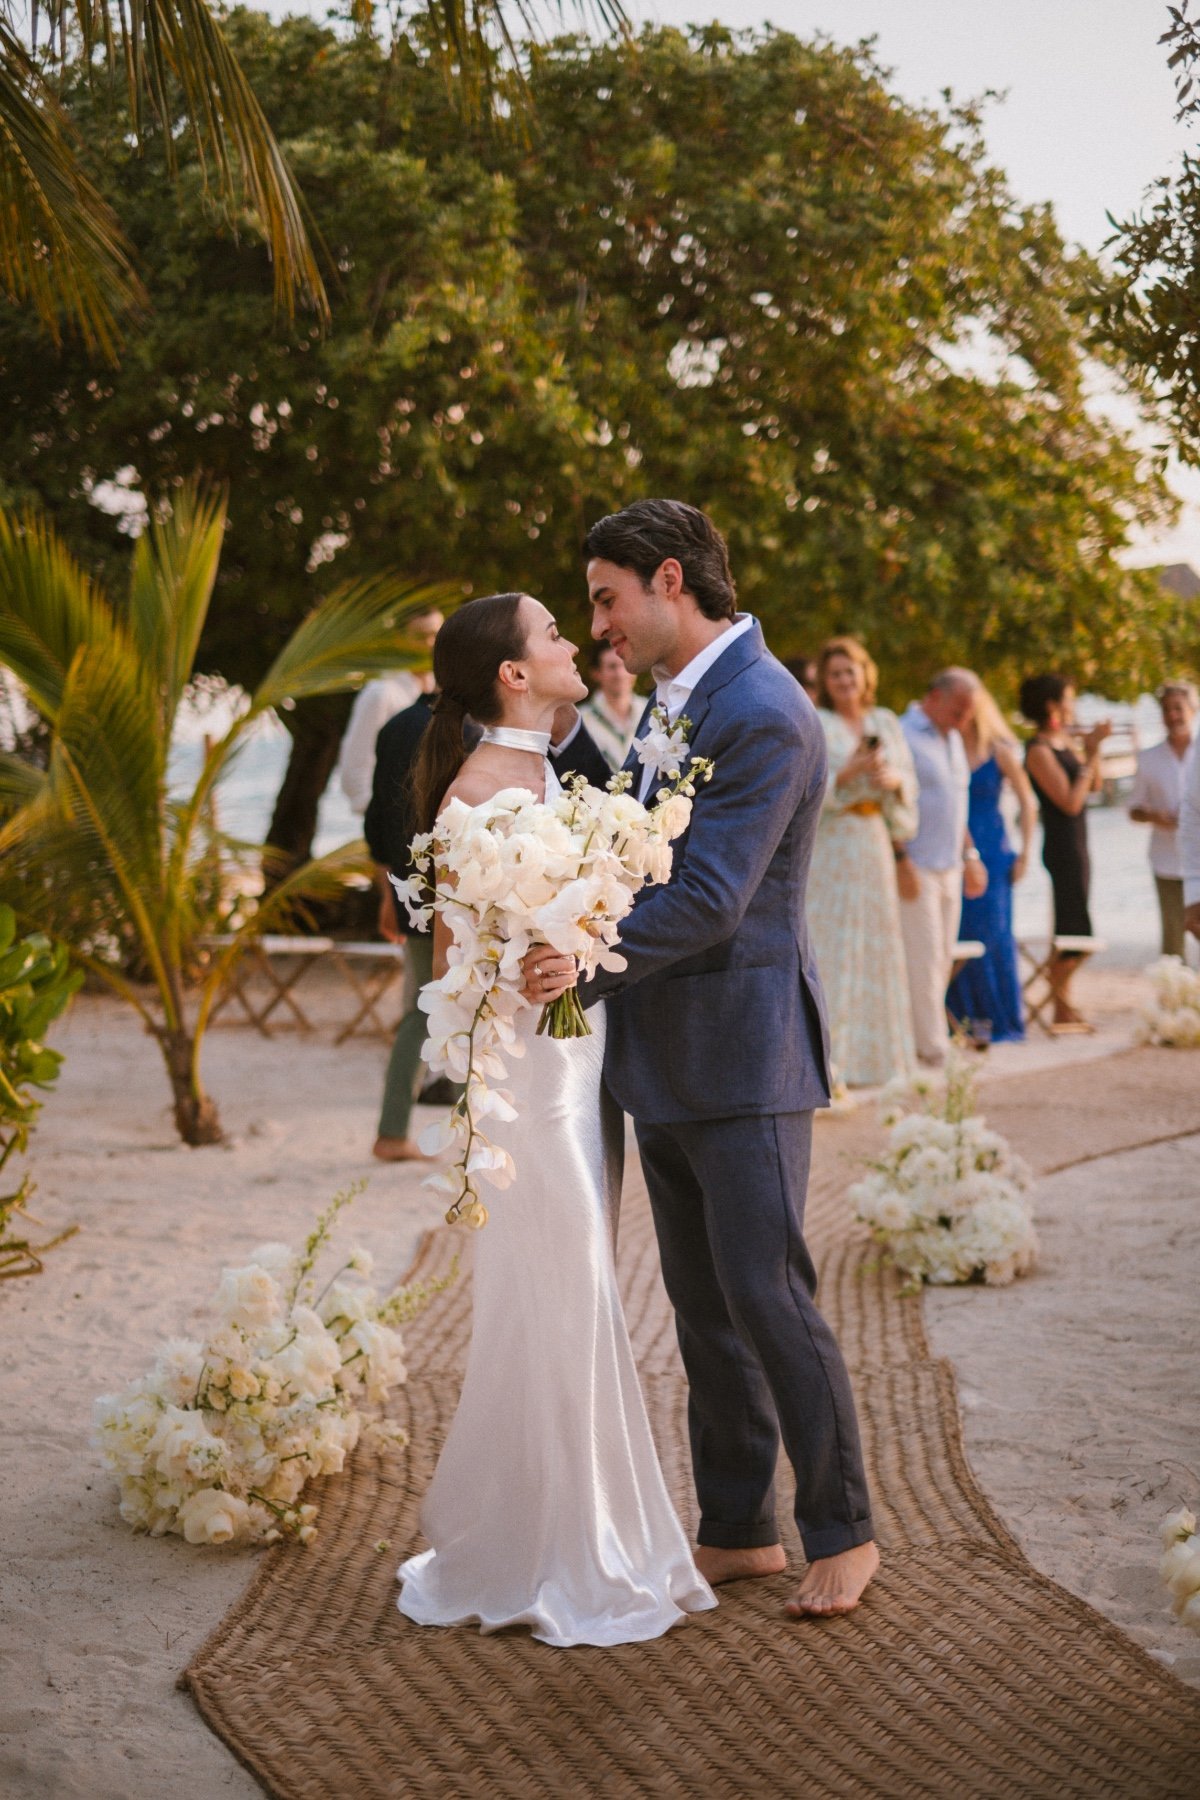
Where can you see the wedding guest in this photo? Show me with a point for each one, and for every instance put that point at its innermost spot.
(376, 703)
(853, 909)
(1062, 782)
(389, 827)
(940, 863)
(613, 711)
(1156, 799)
(807, 671)
(989, 989)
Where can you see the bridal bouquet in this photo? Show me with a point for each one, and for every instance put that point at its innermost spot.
(948, 1200)
(218, 1440)
(1173, 1016)
(510, 875)
(1180, 1566)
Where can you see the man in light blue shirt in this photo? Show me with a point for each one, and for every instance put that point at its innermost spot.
(940, 861)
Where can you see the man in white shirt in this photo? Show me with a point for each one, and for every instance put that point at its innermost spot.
(1156, 801)
(941, 861)
(613, 711)
(376, 703)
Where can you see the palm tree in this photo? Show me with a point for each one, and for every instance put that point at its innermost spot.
(62, 251)
(94, 849)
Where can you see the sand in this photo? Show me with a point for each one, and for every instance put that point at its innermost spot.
(1080, 1416)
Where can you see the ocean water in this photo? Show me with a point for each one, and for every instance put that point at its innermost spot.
(1124, 905)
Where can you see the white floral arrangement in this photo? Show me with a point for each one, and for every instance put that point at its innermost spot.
(1180, 1566)
(217, 1442)
(1172, 1016)
(948, 1201)
(507, 876)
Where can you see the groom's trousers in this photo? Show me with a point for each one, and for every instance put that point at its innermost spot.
(728, 1199)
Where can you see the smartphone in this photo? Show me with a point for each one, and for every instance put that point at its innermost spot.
(870, 741)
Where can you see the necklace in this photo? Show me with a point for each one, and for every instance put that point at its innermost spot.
(508, 737)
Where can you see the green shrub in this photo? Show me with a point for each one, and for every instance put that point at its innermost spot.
(35, 985)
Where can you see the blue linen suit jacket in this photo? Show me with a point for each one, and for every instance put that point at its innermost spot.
(720, 1013)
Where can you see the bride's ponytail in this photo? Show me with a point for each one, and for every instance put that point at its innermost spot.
(467, 655)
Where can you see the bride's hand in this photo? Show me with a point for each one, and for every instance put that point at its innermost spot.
(547, 975)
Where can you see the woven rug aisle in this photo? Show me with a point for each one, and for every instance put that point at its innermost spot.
(964, 1673)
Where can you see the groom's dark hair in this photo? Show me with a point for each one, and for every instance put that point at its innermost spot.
(641, 537)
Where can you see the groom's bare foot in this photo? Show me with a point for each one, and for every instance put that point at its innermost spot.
(834, 1584)
(717, 1565)
(398, 1150)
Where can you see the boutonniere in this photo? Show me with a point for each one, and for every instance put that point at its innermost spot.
(664, 746)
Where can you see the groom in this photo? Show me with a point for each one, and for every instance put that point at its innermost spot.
(716, 1045)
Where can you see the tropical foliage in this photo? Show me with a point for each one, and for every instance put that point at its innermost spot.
(737, 269)
(172, 70)
(36, 983)
(95, 849)
(1150, 309)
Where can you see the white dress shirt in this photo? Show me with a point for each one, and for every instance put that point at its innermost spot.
(1189, 827)
(377, 702)
(674, 691)
(1158, 787)
(944, 775)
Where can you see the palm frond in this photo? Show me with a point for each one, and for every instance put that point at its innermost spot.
(354, 632)
(177, 60)
(107, 773)
(171, 583)
(20, 782)
(48, 609)
(61, 249)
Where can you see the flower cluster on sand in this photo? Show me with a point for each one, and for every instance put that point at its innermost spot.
(217, 1441)
(1180, 1566)
(1172, 1016)
(948, 1200)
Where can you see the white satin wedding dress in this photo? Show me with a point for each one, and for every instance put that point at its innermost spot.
(548, 1507)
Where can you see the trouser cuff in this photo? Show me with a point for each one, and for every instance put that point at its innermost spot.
(831, 1540)
(719, 1534)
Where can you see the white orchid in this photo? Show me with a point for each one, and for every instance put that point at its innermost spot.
(506, 876)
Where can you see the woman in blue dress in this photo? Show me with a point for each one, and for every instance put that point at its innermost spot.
(989, 989)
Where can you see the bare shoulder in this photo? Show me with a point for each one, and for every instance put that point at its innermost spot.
(473, 784)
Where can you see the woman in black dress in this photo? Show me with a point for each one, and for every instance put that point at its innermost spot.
(1062, 782)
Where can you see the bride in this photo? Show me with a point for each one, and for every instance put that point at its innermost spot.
(548, 1507)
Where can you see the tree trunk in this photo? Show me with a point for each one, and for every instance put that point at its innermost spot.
(195, 1114)
(316, 727)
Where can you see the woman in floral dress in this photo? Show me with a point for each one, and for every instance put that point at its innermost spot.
(853, 906)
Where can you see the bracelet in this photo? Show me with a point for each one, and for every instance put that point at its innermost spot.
(899, 853)
(971, 855)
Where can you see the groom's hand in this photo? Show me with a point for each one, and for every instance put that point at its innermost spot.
(547, 975)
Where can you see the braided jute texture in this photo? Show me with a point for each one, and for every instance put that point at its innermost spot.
(964, 1673)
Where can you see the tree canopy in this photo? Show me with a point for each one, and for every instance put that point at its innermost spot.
(737, 269)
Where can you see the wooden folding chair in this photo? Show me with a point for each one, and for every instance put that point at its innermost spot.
(278, 963)
(1037, 987)
(372, 970)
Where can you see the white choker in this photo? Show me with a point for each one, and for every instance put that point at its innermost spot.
(508, 737)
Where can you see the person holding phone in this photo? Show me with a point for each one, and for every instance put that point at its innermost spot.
(853, 906)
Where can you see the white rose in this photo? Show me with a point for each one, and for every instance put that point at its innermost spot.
(250, 1296)
(183, 1445)
(891, 1212)
(1178, 1525)
(211, 1517)
(1185, 1577)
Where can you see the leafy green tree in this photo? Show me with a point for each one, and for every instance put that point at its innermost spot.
(93, 849)
(737, 269)
(1150, 308)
